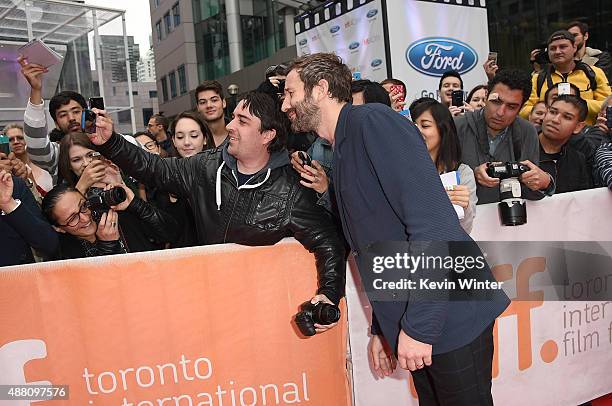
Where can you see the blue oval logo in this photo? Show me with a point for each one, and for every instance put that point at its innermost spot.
(354, 45)
(303, 42)
(376, 62)
(434, 56)
(372, 13)
(334, 29)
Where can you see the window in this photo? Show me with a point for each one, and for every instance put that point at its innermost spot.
(156, 3)
(125, 117)
(147, 113)
(164, 87)
(134, 92)
(152, 94)
(167, 23)
(172, 78)
(182, 79)
(158, 30)
(176, 13)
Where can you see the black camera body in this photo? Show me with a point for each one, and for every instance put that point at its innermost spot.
(542, 56)
(100, 201)
(505, 170)
(512, 207)
(319, 313)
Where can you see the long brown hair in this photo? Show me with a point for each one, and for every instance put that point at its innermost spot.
(65, 170)
(197, 117)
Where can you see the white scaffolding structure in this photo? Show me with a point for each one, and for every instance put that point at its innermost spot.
(63, 22)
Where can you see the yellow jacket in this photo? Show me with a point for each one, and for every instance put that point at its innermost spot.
(594, 99)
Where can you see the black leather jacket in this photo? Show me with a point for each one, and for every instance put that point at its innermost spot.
(272, 205)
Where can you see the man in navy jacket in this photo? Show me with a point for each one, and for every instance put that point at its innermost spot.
(388, 190)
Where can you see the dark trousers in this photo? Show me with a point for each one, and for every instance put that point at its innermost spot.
(461, 377)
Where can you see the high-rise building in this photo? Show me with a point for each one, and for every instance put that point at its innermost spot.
(113, 57)
(146, 67)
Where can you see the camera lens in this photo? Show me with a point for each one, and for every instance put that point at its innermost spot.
(114, 196)
(326, 314)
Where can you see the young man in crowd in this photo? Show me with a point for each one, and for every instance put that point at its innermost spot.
(245, 192)
(158, 127)
(211, 104)
(590, 80)
(568, 166)
(590, 56)
(376, 206)
(449, 82)
(495, 133)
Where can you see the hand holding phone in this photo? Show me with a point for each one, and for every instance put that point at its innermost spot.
(492, 57)
(457, 98)
(306, 160)
(398, 89)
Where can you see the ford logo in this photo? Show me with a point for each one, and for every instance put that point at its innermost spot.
(303, 42)
(334, 29)
(372, 13)
(376, 62)
(354, 45)
(434, 56)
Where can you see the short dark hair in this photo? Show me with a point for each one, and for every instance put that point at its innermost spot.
(576, 101)
(63, 98)
(572, 86)
(392, 81)
(209, 85)
(197, 117)
(52, 197)
(561, 34)
(63, 165)
(474, 90)
(264, 107)
(515, 79)
(449, 153)
(583, 27)
(160, 119)
(449, 74)
(315, 67)
(373, 92)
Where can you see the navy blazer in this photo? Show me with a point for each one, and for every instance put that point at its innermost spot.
(388, 189)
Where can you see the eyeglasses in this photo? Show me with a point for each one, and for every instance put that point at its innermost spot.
(76, 217)
(151, 145)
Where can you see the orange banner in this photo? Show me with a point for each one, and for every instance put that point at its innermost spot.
(199, 326)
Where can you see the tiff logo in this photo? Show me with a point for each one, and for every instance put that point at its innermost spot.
(13, 357)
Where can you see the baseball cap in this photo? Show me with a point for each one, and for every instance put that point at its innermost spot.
(561, 34)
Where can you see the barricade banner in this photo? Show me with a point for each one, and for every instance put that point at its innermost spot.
(548, 352)
(198, 326)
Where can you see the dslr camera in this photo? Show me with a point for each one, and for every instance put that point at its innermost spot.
(542, 56)
(100, 201)
(512, 206)
(319, 313)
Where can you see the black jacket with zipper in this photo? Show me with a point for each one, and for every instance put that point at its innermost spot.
(272, 205)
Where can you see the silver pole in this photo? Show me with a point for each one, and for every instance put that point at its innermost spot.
(28, 14)
(98, 53)
(76, 67)
(234, 34)
(129, 75)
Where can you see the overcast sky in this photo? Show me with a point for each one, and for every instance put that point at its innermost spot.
(137, 17)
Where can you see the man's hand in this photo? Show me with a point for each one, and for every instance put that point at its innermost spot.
(535, 178)
(381, 356)
(412, 354)
(601, 124)
(108, 227)
(315, 177)
(104, 128)
(130, 196)
(33, 73)
(92, 174)
(459, 195)
(397, 100)
(455, 111)
(480, 173)
(490, 68)
(320, 328)
(296, 162)
(7, 203)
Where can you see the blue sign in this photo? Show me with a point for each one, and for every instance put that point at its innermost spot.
(334, 29)
(303, 42)
(372, 13)
(434, 56)
(376, 62)
(354, 45)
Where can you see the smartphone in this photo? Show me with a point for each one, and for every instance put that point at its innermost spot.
(306, 160)
(563, 88)
(457, 98)
(609, 117)
(96, 103)
(492, 57)
(96, 156)
(398, 89)
(5, 146)
(88, 121)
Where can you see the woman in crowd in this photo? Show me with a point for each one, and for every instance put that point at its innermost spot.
(477, 98)
(142, 226)
(438, 129)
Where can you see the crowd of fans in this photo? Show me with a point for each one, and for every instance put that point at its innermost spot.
(203, 179)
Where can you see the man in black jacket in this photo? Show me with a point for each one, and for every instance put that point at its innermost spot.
(568, 166)
(245, 192)
(22, 226)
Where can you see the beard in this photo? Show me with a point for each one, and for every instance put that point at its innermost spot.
(307, 116)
